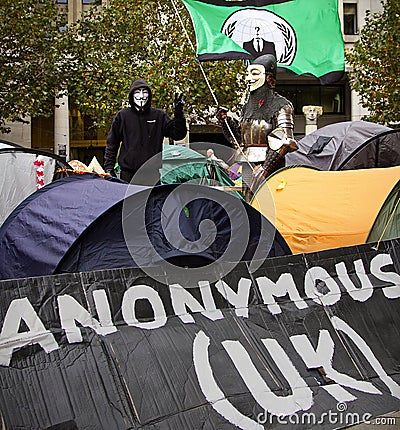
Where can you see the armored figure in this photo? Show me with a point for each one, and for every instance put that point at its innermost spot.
(264, 133)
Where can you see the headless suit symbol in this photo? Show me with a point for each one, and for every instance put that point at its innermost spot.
(264, 131)
(259, 46)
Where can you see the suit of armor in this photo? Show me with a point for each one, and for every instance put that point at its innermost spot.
(265, 114)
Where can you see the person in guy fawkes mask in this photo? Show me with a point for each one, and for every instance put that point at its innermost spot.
(264, 131)
(138, 131)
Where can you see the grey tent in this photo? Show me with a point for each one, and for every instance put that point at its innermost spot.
(387, 223)
(18, 175)
(348, 145)
(382, 150)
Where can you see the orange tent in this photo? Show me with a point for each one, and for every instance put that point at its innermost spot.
(316, 210)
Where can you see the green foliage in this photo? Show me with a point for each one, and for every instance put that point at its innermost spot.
(133, 39)
(375, 63)
(31, 72)
(97, 58)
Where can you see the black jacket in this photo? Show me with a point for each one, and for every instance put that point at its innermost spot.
(140, 133)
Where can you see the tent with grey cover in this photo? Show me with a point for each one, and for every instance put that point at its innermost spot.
(348, 145)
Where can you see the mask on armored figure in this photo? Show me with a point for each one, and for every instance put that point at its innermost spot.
(255, 76)
(259, 70)
(140, 97)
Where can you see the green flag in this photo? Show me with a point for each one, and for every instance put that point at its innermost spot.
(304, 35)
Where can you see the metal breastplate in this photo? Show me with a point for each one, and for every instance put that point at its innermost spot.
(254, 138)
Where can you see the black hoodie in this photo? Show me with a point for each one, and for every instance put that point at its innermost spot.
(140, 133)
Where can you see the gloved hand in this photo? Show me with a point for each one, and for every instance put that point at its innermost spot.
(111, 172)
(222, 113)
(178, 105)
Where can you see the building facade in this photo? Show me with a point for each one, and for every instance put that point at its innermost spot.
(67, 131)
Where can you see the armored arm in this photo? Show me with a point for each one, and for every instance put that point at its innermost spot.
(230, 126)
(282, 138)
(281, 141)
(285, 120)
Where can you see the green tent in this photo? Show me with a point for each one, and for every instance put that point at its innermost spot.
(182, 164)
(387, 223)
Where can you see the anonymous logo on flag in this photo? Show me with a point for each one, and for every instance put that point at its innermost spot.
(262, 32)
(304, 35)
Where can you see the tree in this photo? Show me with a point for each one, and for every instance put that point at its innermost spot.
(129, 39)
(31, 69)
(96, 59)
(374, 60)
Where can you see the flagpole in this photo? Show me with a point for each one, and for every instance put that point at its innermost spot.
(194, 51)
(208, 82)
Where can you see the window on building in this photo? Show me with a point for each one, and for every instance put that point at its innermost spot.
(62, 1)
(330, 97)
(42, 133)
(98, 2)
(350, 18)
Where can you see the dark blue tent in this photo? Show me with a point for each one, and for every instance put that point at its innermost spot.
(85, 222)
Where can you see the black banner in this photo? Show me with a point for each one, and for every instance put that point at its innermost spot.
(302, 341)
